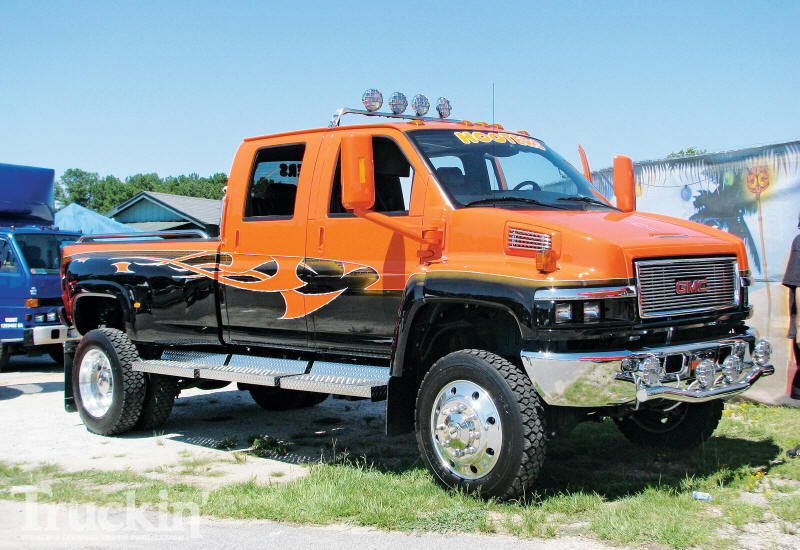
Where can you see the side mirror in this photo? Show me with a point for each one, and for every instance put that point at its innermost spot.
(624, 186)
(358, 172)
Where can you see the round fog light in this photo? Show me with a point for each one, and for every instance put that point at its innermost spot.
(762, 353)
(705, 373)
(732, 368)
(628, 364)
(372, 100)
(651, 370)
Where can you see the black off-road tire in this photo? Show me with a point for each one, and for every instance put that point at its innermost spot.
(276, 399)
(522, 418)
(5, 355)
(158, 400)
(686, 426)
(128, 390)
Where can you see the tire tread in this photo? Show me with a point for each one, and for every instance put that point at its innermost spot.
(532, 413)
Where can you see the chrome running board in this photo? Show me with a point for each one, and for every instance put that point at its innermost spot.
(346, 379)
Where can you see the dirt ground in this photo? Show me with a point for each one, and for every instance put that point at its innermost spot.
(187, 448)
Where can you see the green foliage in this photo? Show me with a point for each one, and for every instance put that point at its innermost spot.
(104, 194)
(688, 152)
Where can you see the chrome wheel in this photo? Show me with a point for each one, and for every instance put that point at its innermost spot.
(96, 382)
(466, 429)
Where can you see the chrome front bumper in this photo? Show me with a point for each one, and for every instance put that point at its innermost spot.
(598, 379)
(46, 335)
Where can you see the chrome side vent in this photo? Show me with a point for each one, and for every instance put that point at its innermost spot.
(525, 239)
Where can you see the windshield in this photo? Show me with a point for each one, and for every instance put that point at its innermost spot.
(42, 252)
(504, 170)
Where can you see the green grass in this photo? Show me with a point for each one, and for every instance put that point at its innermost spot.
(594, 483)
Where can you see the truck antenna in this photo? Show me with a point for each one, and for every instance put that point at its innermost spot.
(492, 102)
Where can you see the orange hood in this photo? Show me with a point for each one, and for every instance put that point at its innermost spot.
(593, 245)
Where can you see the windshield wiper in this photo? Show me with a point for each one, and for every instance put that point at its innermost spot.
(581, 198)
(482, 202)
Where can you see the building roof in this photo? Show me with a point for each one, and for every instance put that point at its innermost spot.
(203, 212)
(155, 226)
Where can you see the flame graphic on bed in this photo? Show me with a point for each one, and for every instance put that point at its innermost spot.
(277, 274)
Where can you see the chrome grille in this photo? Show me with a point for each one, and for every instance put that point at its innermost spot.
(690, 285)
(525, 239)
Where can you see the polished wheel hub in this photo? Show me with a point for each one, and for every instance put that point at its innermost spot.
(96, 382)
(466, 429)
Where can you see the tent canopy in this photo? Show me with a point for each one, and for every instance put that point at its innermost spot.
(75, 217)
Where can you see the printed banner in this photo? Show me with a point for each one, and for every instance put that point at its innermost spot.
(752, 193)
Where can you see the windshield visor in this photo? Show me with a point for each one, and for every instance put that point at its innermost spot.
(502, 169)
(42, 252)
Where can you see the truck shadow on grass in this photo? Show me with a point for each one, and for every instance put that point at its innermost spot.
(594, 458)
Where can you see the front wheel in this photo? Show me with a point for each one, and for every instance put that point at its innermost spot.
(678, 426)
(480, 424)
(108, 393)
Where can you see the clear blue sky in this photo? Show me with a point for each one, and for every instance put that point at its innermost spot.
(173, 87)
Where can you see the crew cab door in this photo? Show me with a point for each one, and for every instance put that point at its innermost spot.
(265, 243)
(13, 291)
(362, 265)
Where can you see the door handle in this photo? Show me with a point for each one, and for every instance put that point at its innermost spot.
(321, 239)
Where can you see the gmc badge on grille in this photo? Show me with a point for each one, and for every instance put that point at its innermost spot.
(691, 287)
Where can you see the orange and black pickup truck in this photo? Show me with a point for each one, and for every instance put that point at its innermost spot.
(465, 273)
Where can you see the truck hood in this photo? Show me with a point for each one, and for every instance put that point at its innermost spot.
(592, 244)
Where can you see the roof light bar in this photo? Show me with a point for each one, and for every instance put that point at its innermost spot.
(373, 100)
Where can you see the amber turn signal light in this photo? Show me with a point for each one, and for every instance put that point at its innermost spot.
(546, 261)
(31, 302)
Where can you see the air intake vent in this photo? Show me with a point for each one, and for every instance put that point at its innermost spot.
(524, 239)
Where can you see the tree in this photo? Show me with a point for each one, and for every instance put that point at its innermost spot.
(103, 195)
(75, 185)
(688, 152)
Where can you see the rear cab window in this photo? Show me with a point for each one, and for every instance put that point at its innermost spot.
(272, 189)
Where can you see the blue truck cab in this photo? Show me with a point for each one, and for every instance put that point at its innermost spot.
(30, 258)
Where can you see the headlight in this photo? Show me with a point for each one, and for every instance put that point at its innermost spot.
(591, 312)
(762, 353)
(563, 312)
(51, 317)
(38, 318)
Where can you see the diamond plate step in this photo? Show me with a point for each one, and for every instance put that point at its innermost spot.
(263, 371)
(341, 379)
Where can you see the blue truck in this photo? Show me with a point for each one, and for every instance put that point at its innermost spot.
(30, 258)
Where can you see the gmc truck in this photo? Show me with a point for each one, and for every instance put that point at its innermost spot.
(30, 256)
(465, 273)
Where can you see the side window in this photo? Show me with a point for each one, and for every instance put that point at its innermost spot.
(393, 177)
(273, 185)
(8, 262)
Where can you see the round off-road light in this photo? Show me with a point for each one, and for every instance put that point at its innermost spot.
(398, 103)
(443, 107)
(706, 373)
(732, 368)
(628, 364)
(762, 353)
(651, 370)
(372, 100)
(420, 104)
